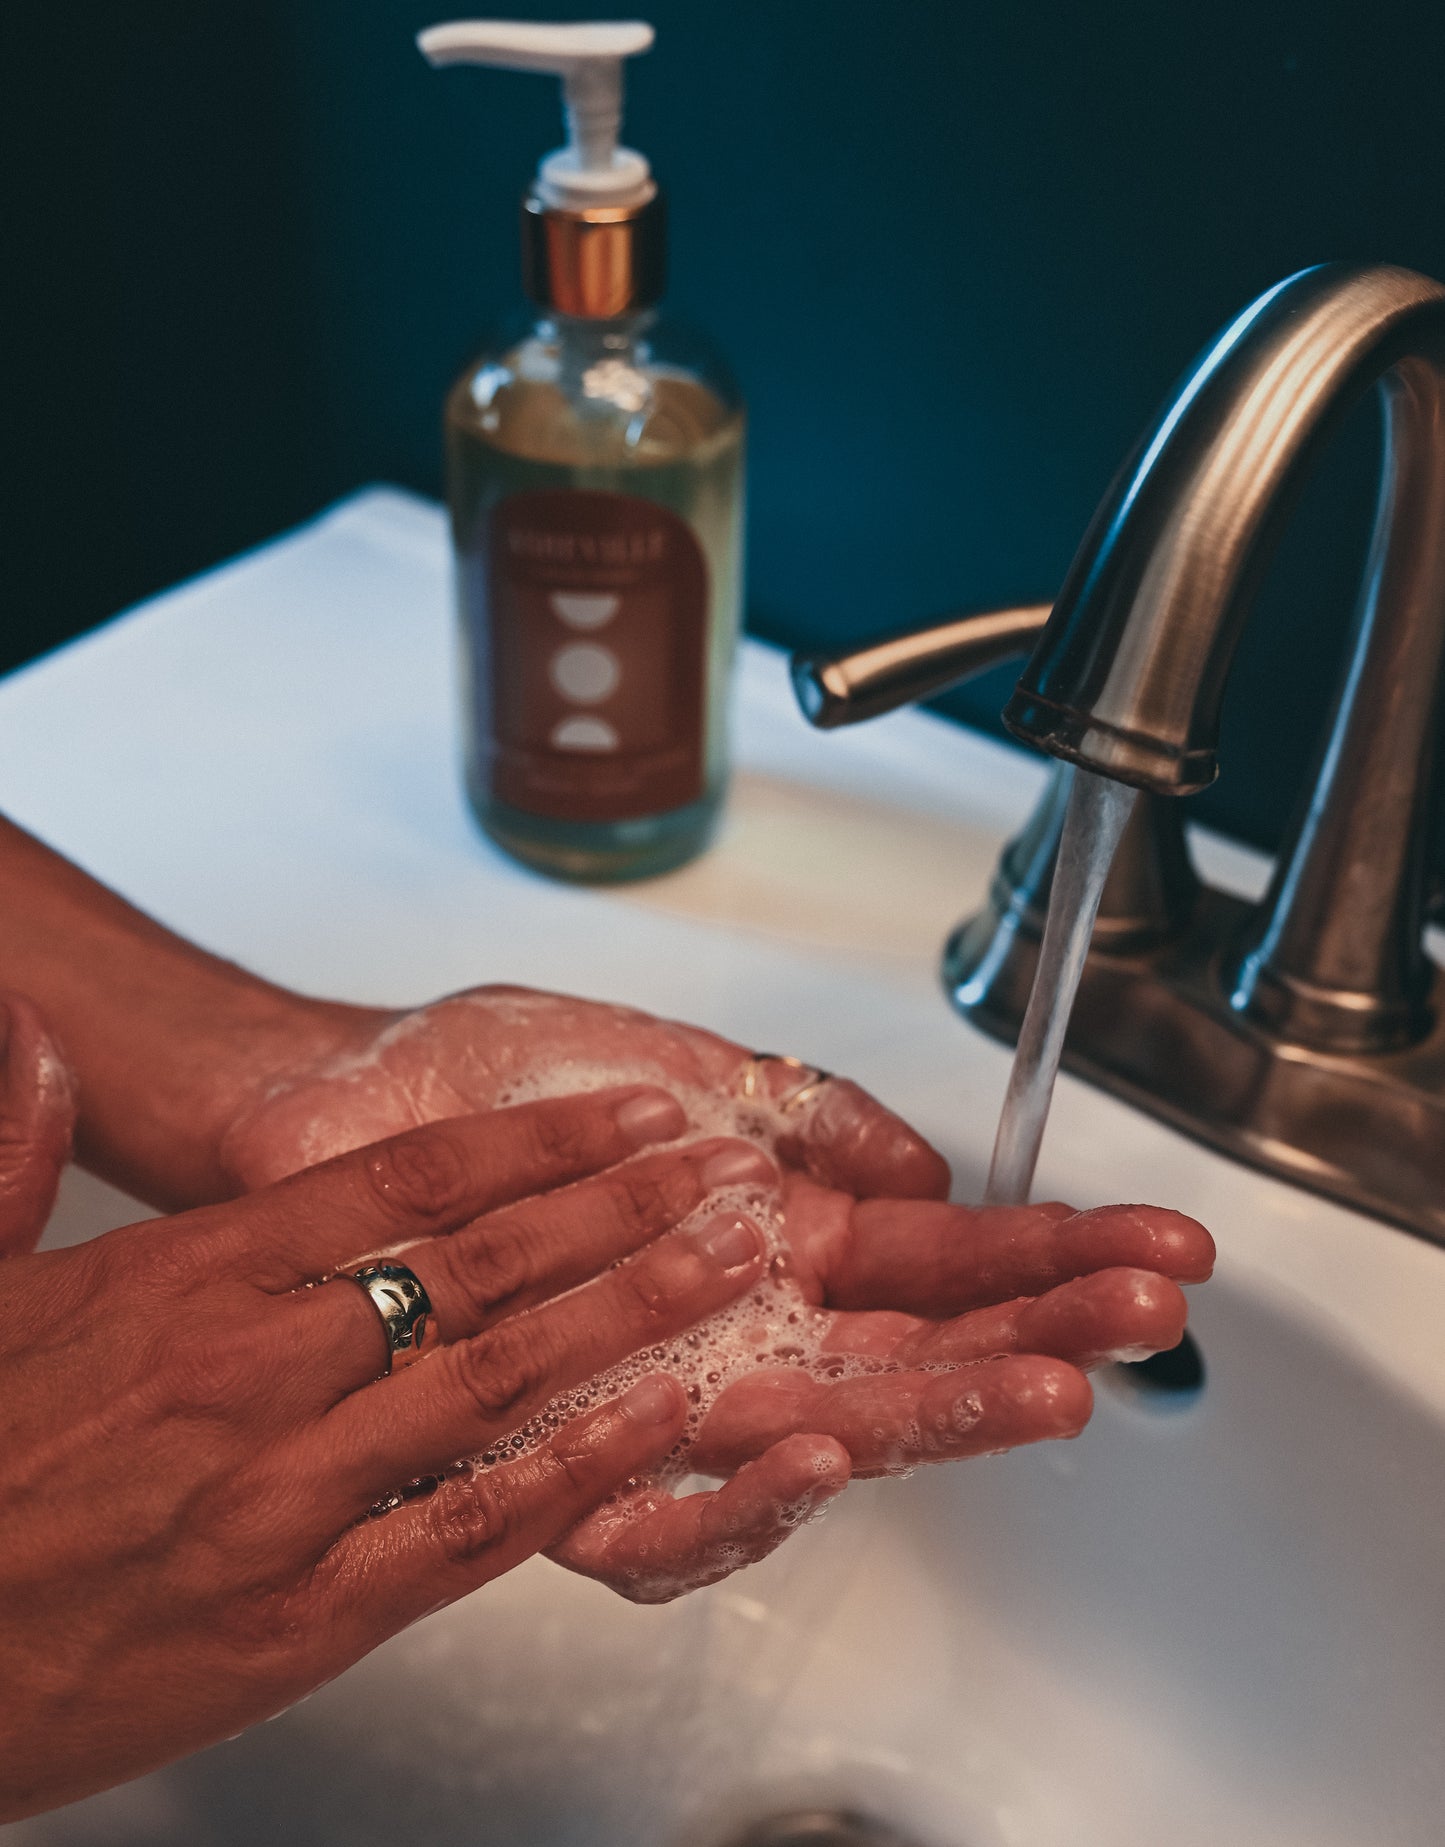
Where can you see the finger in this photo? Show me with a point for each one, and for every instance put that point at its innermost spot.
(891, 1421)
(437, 1178)
(476, 1392)
(845, 1138)
(651, 1548)
(37, 1118)
(1107, 1316)
(840, 1134)
(515, 1259)
(929, 1258)
(384, 1573)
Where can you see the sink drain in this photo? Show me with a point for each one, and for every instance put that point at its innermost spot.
(1176, 1376)
(820, 1828)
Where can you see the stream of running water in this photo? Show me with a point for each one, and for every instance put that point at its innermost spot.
(1093, 822)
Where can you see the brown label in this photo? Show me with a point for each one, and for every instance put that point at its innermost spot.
(596, 655)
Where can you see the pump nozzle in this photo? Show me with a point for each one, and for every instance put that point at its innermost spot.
(592, 169)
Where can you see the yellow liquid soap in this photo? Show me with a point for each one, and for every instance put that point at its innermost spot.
(595, 409)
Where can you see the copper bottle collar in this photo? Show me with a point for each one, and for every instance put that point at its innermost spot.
(596, 262)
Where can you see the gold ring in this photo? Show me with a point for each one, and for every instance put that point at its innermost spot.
(403, 1306)
(813, 1080)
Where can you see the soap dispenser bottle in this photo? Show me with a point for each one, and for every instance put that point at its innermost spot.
(595, 475)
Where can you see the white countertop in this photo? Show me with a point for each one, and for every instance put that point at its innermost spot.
(265, 758)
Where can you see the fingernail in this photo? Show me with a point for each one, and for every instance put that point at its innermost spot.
(738, 1165)
(653, 1400)
(652, 1117)
(731, 1242)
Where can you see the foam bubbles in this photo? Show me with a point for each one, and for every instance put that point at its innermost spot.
(773, 1326)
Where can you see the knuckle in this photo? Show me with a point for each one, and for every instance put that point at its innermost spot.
(109, 1269)
(418, 1176)
(501, 1372)
(649, 1196)
(652, 1290)
(472, 1521)
(566, 1132)
(253, 1507)
(489, 1276)
(576, 1465)
(259, 1628)
(583, 1455)
(162, 1260)
(205, 1372)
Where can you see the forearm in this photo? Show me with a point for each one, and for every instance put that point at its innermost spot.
(168, 1041)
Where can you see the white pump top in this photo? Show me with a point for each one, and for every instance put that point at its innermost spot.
(592, 169)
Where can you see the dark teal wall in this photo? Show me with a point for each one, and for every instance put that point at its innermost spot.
(957, 252)
(152, 335)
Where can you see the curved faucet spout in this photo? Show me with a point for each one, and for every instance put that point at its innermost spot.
(1128, 675)
(1305, 1034)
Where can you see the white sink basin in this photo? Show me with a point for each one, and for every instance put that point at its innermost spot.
(1212, 1621)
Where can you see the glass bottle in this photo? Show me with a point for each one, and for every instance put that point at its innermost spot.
(568, 766)
(594, 471)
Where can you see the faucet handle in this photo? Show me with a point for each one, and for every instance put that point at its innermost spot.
(896, 670)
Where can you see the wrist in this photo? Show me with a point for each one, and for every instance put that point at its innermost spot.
(278, 1045)
(167, 1041)
(196, 1044)
(243, 1046)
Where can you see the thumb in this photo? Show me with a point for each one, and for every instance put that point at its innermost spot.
(37, 1115)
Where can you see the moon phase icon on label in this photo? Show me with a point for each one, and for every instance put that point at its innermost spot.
(585, 673)
(593, 734)
(591, 631)
(584, 609)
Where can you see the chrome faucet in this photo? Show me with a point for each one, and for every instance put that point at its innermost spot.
(1305, 1034)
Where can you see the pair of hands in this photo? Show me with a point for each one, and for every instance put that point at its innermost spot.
(1027, 1298)
(195, 1436)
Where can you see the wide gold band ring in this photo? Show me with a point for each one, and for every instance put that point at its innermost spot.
(811, 1080)
(404, 1307)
